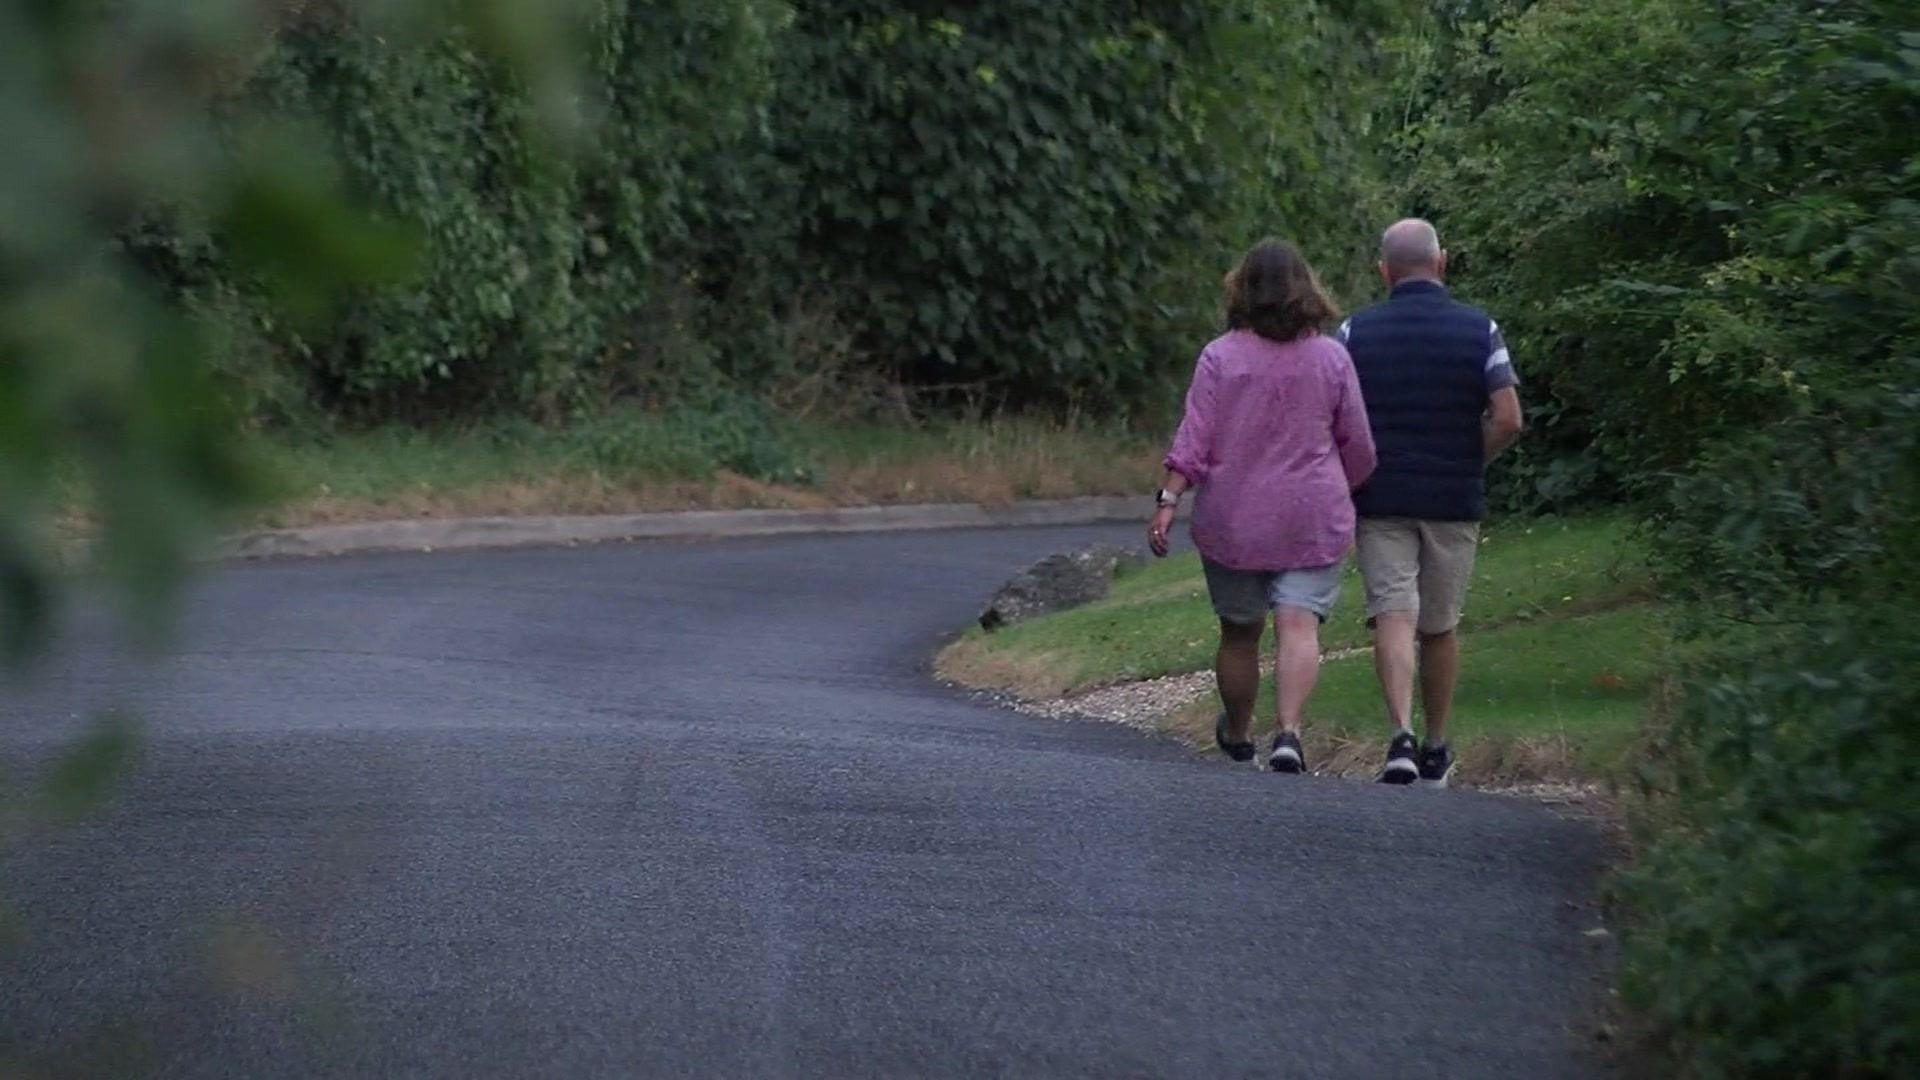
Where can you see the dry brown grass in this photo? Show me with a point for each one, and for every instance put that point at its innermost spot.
(989, 463)
(1032, 676)
(1487, 762)
(923, 480)
(994, 470)
(563, 494)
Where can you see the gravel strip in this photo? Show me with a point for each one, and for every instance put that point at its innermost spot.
(1140, 705)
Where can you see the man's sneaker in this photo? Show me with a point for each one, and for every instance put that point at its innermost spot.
(1287, 756)
(1400, 768)
(1238, 751)
(1436, 764)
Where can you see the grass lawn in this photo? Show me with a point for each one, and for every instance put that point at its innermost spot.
(627, 461)
(1553, 699)
(1560, 650)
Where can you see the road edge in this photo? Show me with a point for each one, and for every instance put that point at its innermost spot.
(469, 534)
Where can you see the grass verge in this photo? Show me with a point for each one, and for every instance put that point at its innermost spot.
(1560, 650)
(628, 461)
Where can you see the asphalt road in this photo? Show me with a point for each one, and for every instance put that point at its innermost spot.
(696, 810)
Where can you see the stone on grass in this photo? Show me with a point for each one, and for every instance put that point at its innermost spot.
(1060, 581)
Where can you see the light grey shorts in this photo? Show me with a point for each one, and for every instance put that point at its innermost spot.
(1418, 568)
(1246, 596)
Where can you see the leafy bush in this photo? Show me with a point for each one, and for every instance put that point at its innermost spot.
(1672, 260)
(731, 432)
(1772, 522)
(537, 267)
(1772, 938)
(1034, 199)
(1039, 195)
(1778, 940)
(1774, 932)
(1705, 238)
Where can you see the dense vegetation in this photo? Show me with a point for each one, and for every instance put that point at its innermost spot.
(299, 215)
(1029, 200)
(1703, 221)
(1698, 219)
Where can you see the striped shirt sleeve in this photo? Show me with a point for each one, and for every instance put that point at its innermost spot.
(1500, 373)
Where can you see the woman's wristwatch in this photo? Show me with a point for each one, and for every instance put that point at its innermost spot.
(1164, 498)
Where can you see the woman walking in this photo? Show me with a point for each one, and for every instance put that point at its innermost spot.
(1274, 441)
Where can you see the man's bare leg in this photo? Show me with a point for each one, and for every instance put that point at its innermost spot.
(1439, 671)
(1393, 662)
(1296, 662)
(1236, 667)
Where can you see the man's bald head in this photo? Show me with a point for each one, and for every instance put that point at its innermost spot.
(1410, 248)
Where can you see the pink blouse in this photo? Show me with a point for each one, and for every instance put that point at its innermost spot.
(1275, 439)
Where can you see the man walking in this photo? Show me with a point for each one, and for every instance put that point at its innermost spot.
(1439, 389)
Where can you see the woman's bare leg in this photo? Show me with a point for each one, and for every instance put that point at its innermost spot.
(1296, 662)
(1237, 668)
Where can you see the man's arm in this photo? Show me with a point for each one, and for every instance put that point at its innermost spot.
(1504, 421)
(1352, 433)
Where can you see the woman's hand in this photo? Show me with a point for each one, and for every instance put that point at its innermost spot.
(1157, 530)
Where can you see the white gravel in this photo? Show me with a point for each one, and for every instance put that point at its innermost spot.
(1138, 705)
(1141, 705)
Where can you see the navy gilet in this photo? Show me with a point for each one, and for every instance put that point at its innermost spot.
(1422, 361)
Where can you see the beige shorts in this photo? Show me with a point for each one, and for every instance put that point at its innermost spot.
(1419, 568)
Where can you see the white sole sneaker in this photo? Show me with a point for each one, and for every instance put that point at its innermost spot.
(1400, 771)
(1445, 774)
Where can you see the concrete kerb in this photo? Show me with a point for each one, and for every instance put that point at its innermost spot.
(466, 534)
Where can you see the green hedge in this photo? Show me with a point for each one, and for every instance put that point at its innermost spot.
(540, 270)
(1035, 199)
(1773, 933)
(1040, 195)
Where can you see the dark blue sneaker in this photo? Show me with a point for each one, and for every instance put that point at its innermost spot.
(1401, 767)
(1287, 757)
(1436, 764)
(1238, 751)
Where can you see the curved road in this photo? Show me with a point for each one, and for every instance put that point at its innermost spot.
(691, 810)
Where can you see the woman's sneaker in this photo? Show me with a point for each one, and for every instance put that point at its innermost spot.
(1436, 764)
(1287, 756)
(1401, 767)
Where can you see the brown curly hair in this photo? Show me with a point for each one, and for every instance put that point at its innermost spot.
(1274, 293)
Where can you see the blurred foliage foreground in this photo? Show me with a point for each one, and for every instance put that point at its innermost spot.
(113, 111)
